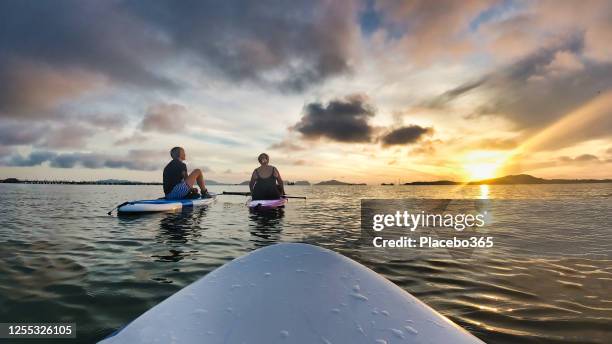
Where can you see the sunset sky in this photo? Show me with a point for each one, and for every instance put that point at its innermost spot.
(361, 91)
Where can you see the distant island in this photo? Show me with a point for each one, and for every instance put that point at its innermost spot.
(514, 180)
(96, 182)
(299, 182)
(83, 182)
(337, 182)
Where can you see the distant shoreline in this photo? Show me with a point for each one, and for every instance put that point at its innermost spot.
(520, 179)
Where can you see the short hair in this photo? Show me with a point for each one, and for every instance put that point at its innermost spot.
(175, 152)
(263, 155)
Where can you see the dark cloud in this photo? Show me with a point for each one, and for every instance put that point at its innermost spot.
(165, 118)
(289, 44)
(343, 120)
(584, 158)
(13, 133)
(34, 159)
(450, 95)
(133, 160)
(78, 46)
(405, 135)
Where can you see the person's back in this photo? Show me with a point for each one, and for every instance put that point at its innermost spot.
(174, 173)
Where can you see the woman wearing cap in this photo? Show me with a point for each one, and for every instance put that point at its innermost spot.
(266, 182)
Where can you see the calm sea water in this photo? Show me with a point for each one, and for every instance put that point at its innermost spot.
(62, 259)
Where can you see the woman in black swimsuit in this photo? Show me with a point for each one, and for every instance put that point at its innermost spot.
(266, 182)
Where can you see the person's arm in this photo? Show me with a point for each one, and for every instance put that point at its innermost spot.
(253, 180)
(280, 181)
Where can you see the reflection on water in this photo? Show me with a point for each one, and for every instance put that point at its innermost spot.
(63, 260)
(266, 226)
(484, 191)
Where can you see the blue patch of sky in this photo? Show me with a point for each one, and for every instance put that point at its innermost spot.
(371, 20)
(497, 12)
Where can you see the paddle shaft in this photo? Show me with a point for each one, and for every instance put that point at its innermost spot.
(249, 194)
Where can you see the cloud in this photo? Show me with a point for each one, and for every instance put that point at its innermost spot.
(136, 138)
(108, 121)
(32, 90)
(584, 158)
(165, 118)
(430, 30)
(342, 120)
(140, 160)
(540, 89)
(67, 136)
(34, 159)
(287, 145)
(287, 45)
(13, 133)
(405, 135)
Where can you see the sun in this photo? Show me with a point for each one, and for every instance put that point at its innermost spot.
(481, 171)
(480, 165)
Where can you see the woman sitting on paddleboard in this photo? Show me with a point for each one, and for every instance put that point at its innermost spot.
(266, 182)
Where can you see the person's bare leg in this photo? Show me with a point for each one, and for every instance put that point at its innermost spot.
(192, 177)
(200, 181)
(196, 176)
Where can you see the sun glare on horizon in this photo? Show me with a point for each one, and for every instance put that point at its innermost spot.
(481, 165)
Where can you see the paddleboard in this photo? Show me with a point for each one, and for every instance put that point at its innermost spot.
(292, 293)
(159, 205)
(267, 204)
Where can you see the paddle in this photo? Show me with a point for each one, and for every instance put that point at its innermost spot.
(236, 193)
(249, 194)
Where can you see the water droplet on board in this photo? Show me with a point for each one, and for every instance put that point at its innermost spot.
(398, 333)
(359, 296)
(411, 329)
(284, 333)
